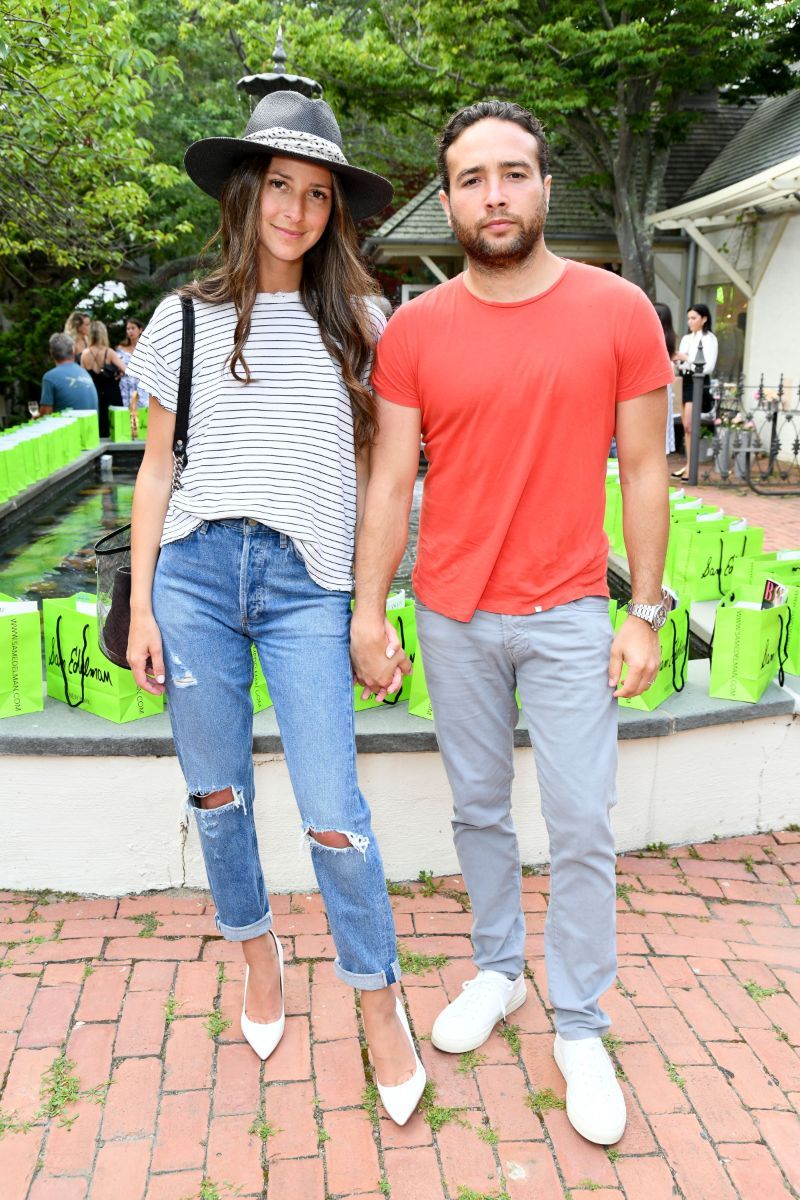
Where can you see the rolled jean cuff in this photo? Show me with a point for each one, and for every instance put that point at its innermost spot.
(244, 933)
(369, 983)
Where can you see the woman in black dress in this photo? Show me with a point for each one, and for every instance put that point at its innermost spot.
(106, 368)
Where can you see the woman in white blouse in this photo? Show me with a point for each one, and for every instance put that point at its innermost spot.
(699, 321)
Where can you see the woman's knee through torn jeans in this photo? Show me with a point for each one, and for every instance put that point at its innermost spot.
(226, 586)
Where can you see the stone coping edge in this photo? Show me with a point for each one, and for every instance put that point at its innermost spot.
(59, 731)
(16, 510)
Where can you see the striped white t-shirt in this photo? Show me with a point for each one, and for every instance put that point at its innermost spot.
(279, 449)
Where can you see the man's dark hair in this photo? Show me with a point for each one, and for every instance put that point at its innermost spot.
(500, 110)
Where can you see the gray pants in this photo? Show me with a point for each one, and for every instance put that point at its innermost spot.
(558, 660)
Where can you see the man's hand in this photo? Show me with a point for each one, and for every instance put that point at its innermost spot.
(379, 661)
(638, 647)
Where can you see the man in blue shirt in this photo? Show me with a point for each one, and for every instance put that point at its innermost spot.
(66, 385)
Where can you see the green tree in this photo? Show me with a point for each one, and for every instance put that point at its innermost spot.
(77, 176)
(609, 78)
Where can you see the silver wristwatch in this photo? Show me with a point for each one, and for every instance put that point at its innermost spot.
(654, 614)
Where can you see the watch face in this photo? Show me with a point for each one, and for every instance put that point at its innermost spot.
(659, 617)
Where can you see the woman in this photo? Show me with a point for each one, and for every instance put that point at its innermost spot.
(665, 317)
(257, 546)
(699, 321)
(77, 326)
(105, 367)
(129, 384)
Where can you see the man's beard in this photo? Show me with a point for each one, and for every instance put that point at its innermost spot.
(497, 256)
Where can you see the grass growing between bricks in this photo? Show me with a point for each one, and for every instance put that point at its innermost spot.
(469, 1060)
(436, 1116)
(758, 993)
(398, 889)
(171, 1009)
(675, 1075)
(544, 1101)
(216, 1024)
(414, 963)
(510, 1035)
(466, 1193)
(149, 923)
(262, 1128)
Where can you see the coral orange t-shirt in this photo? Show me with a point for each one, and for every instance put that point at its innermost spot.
(517, 403)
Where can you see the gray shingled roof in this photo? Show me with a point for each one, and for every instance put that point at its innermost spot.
(572, 216)
(770, 137)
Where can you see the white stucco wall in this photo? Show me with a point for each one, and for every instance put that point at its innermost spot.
(114, 825)
(773, 317)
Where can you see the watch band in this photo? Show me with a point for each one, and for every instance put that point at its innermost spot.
(653, 614)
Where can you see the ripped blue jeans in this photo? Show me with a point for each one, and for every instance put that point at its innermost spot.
(226, 586)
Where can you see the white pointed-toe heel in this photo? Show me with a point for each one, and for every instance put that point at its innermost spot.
(401, 1100)
(264, 1036)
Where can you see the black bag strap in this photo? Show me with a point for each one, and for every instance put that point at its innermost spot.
(72, 703)
(675, 653)
(181, 435)
(783, 636)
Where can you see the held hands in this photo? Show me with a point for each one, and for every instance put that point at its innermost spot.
(637, 646)
(145, 655)
(379, 661)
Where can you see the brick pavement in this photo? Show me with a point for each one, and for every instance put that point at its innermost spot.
(123, 1075)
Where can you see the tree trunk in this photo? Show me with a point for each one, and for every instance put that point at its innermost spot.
(635, 240)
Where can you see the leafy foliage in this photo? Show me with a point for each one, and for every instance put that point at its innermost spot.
(76, 176)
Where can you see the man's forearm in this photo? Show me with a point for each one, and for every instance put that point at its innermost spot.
(645, 523)
(382, 538)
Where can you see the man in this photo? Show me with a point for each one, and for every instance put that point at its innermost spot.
(517, 373)
(66, 385)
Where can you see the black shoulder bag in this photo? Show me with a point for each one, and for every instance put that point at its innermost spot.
(113, 552)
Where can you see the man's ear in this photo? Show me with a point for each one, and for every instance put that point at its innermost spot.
(547, 185)
(444, 200)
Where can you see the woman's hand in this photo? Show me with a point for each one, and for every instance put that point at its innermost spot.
(378, 659)
(145, 654)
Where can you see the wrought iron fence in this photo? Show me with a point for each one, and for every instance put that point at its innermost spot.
(755, 438)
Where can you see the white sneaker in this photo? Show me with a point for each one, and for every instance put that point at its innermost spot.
(595, 1103)
(467, 1022)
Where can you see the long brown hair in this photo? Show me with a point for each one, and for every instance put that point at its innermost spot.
(333, 288)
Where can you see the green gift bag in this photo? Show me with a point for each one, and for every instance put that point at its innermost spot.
(781, 565)
(673, 638)
(612, 521)
(119, 422)
(88, 426)
(259, 692)
(705, 554)
(419, 702)
(20, 657)
(80, 674)
(752, 594)
(748, 649)
(400, 612)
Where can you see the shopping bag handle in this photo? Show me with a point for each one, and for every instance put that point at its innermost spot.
(782, 657)
(675, 653)
(70, 702)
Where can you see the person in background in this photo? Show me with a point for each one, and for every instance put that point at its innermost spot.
(105, 367)
(129, 383)
(66, 385)
(665, 317)
(77, 327)
(699, 321)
